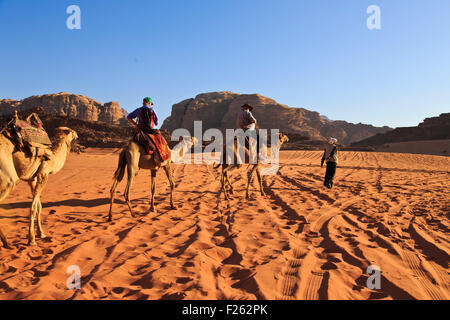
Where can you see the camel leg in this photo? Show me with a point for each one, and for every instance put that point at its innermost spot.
(33, 212)
(5, 190)
(40, 231)
(229, 182)
(113, 193)
(221, 184)
(132, 160)
(37, 186)
(3, 239)
(127, 195)
(8, 176)
(131, 175)
(260, 179)
(168, 171)
(8, 180)
(153, 178)
(250, 180)
(222, 180)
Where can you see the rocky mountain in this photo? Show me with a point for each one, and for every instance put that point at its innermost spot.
(66, 104)
(436, 128)
(219, 110)
(90, 134)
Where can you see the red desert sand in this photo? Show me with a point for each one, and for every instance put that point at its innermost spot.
(301, 241)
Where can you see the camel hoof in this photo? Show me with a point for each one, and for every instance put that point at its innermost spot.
(32, 243)
(173, 207)
(42, 236)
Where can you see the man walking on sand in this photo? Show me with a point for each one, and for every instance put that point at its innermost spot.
(330, 155)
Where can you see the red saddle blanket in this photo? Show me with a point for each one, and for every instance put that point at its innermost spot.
(153, 142)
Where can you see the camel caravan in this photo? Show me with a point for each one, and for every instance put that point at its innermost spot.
(26, 153)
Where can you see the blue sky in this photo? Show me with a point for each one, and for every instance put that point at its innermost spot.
(313, 54)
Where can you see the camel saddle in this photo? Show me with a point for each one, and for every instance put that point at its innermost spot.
(23, 134)
(152, 142)
(33, 135)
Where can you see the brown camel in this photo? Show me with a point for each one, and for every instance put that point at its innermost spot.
(254, 168)
(15, 166)
(133, 157)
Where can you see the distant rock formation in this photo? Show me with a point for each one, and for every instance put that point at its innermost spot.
(91, 134)
(436, 128)
(219, 110)
(66, 104)
(443, 121)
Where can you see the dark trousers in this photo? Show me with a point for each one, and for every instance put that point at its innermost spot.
(329, 174)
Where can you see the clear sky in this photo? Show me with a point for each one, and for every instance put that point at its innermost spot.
(313, 54)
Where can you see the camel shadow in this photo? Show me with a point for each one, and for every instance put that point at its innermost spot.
(91, 203)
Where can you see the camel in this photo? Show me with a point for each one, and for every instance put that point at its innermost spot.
(254, 168)
(133, 157)
(15, 166)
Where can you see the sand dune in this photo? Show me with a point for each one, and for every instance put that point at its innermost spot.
(301, 241)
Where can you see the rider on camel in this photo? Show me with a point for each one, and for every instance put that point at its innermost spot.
(148, 137)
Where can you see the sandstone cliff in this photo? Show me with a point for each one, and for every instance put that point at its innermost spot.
(66, 104)
(436, 128)
(219, 110)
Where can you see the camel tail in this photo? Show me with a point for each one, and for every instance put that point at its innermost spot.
(120, 171)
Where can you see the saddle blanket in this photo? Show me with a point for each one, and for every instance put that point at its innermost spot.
(153, 141)
(31, 134)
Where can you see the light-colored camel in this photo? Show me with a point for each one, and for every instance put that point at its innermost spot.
(15, 166)
(224, 178)
(133, 157)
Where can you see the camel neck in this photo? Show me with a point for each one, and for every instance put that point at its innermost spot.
(60, 152)
(179, 151)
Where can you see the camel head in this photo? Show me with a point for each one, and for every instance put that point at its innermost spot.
(65, 134)
(194, 141)
(185, 144)
(282, 138)
(188, 140)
